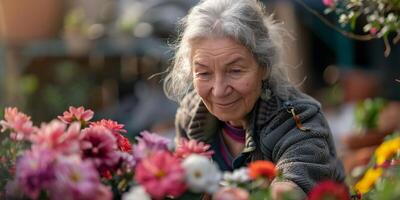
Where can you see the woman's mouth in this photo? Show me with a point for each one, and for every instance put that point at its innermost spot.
(226, 104)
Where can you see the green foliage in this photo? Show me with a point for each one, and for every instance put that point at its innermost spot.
(260, 195)
(9, 151)
(367, 113)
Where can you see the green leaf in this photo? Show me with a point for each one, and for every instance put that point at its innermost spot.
(260, 195)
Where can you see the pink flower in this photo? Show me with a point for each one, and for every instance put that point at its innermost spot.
(55, 136)
(329, 190)
(99, 145)
(20, 124)
(77, 179)
(35, 171)
(231, 193)
(126, 162)
(149, 143)
(161, 175)
(329, 3)
(373, 31)
(77, 114)
(123, 143)
(185, 148)
(113, 126)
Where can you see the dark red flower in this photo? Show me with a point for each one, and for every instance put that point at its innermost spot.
(329, 190)
(106, 174)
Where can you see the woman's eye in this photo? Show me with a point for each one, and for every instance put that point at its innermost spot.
(202, 74)
(235, 71)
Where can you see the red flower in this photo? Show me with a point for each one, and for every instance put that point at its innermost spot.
(329, 190)
(106, 174)
(262, 168)
(123, 143)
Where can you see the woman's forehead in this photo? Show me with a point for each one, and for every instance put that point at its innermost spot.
(217, 46)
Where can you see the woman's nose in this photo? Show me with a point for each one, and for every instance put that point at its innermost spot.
(220, 87)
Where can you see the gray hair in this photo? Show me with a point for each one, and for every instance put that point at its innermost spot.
(242, 20)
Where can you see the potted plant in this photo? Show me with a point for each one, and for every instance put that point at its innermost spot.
(366, 116)
(24, 21)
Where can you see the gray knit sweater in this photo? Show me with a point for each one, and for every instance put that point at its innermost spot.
(304, 157)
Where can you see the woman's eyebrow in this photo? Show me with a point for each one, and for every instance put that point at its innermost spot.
(199, 64)
(235, 60)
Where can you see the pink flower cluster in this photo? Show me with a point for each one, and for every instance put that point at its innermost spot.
(65, 160)
(158, 170)
(18, 123)
(74, 157)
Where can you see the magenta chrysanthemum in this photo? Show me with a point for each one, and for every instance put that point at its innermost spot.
(18, 123)
(77, 180)
(99, 145)
(185, 148)
(76, 114)
(161, 175)
(116, 129)
(35, 171)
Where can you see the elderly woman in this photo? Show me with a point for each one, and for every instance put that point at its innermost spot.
(227, 76)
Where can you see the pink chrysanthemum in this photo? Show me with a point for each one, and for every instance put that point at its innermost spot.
(35, 171)
(161, 175)
(18, 123)
(99, 145)
(113, 126)
(55, 136)
(116, 129)
(149, 143)
(329, 190)
(185, 148)
(77, 179)
(77, 114)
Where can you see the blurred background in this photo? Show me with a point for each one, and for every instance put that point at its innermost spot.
(101, 53)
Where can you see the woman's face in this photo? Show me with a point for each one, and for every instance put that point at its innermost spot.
(227, 78)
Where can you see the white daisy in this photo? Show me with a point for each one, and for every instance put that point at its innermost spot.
(136, 193)
(202, 175)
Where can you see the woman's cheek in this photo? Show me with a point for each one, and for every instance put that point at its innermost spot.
(201, 88)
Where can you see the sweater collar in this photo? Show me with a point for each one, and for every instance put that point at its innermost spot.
(204, 125)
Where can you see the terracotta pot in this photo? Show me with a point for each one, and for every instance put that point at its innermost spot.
(22, 21)
(369, 138)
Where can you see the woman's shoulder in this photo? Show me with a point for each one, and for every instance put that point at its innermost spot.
(279, 109)
(299, 116)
